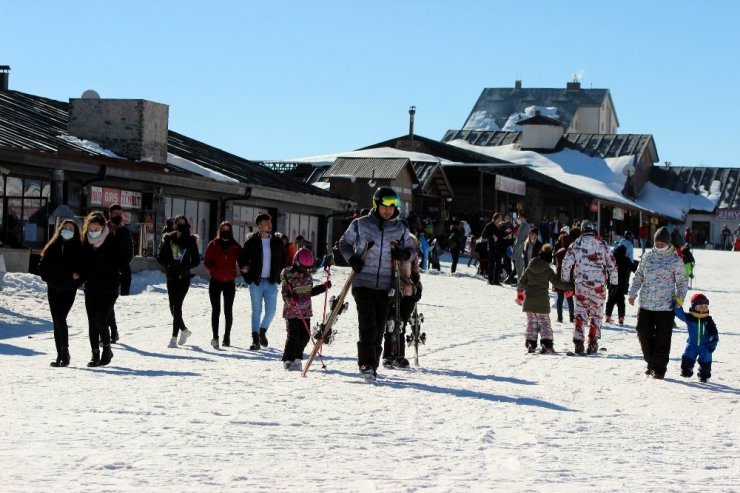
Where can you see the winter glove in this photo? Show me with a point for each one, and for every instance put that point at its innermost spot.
(356, 263)
(327, 285)
(399, 254)
(678, 301)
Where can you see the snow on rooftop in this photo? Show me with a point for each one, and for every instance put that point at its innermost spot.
(378, 153)
(198, 169)
(89, 145)
(512, 124)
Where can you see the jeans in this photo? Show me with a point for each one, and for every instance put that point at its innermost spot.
(98, 306)
(559, 305)
(267, 292)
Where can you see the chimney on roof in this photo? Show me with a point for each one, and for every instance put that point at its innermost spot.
(412, 112)
(132, 128)
(573, 86)
(517, 84)
(4, 77)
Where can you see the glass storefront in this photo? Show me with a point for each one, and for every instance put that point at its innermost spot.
(23, 212)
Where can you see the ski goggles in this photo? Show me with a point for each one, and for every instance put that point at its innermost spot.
(390, 201)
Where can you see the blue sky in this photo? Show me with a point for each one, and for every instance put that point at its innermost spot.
(282, 79)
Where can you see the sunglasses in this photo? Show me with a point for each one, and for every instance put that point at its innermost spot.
(390, 201)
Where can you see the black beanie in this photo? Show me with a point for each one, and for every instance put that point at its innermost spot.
(662, 235)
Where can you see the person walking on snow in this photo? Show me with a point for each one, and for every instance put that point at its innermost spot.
(522, 235)
(625, 267)
(60, 267)
(703, 337)
(102, 264)
(372, 283)
(126, 240)
(222, 254)
(297, 289)
(535, 283)
(178, 254)
(592, 266)
(262, 259)
(659, 279)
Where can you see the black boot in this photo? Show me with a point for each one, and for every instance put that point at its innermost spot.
(106, 356)
(255, 342)
(65, 356)
(227, 339)
(263, 337)
(531, 345)
(547, 346)
(95, 361)
(57, 362)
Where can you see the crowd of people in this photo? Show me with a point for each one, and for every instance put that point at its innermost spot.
(387, 260)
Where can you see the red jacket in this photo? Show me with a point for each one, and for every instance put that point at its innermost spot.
(221, 258)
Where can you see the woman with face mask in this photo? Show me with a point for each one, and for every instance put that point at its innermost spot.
(178, 253)
(104, 261)
(221, 256)
(60, 267)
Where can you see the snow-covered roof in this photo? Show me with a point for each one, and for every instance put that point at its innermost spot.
(187, 165)
(377, 153)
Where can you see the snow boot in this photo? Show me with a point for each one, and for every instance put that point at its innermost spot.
(297, 365)
(687, 374)
(263, 337)
(227, 339)
(608, 319)
(173, 342)
(593, 346)
(547, 346)
(57, 362)
(214, 343)
(287, 365)
(95, 361)
(387, 363)
(578, 347)
(255, 342)
(531, 345)
(368, 374)
(106, 356)
(402, 362)
(65, 356)
(648, 370)
(621, 320)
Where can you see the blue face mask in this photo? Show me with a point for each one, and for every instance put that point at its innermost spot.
(66, 234)
(94, 234)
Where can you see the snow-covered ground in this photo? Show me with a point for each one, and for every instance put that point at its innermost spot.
(479, 414)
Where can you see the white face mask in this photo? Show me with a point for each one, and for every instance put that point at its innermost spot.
(67, 234)
(662, 249)
(94, 234)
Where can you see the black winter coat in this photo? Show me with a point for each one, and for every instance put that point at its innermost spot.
(177, 266)
(624, 268)
(251, 257)
(60, 261)
(102, 266)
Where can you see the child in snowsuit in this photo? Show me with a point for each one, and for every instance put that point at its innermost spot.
(535, 282)
(703, 337)
(297, 289)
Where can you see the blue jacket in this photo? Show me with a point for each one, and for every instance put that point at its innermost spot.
(702, 330)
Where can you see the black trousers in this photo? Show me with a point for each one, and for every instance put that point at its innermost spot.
(215, 288)
(177, 289)
(494, 266)
(654, 329)
(99, 306)
(615, 299)
(297, 338)
(60, 303)
(126, 280)
(455, 258)
(372, 312)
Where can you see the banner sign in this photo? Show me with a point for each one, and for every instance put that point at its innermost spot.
(108, 196)
(510, 185)
(728, 214)
(618, 214)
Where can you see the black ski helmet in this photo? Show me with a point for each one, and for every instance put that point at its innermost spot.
(387, 194)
